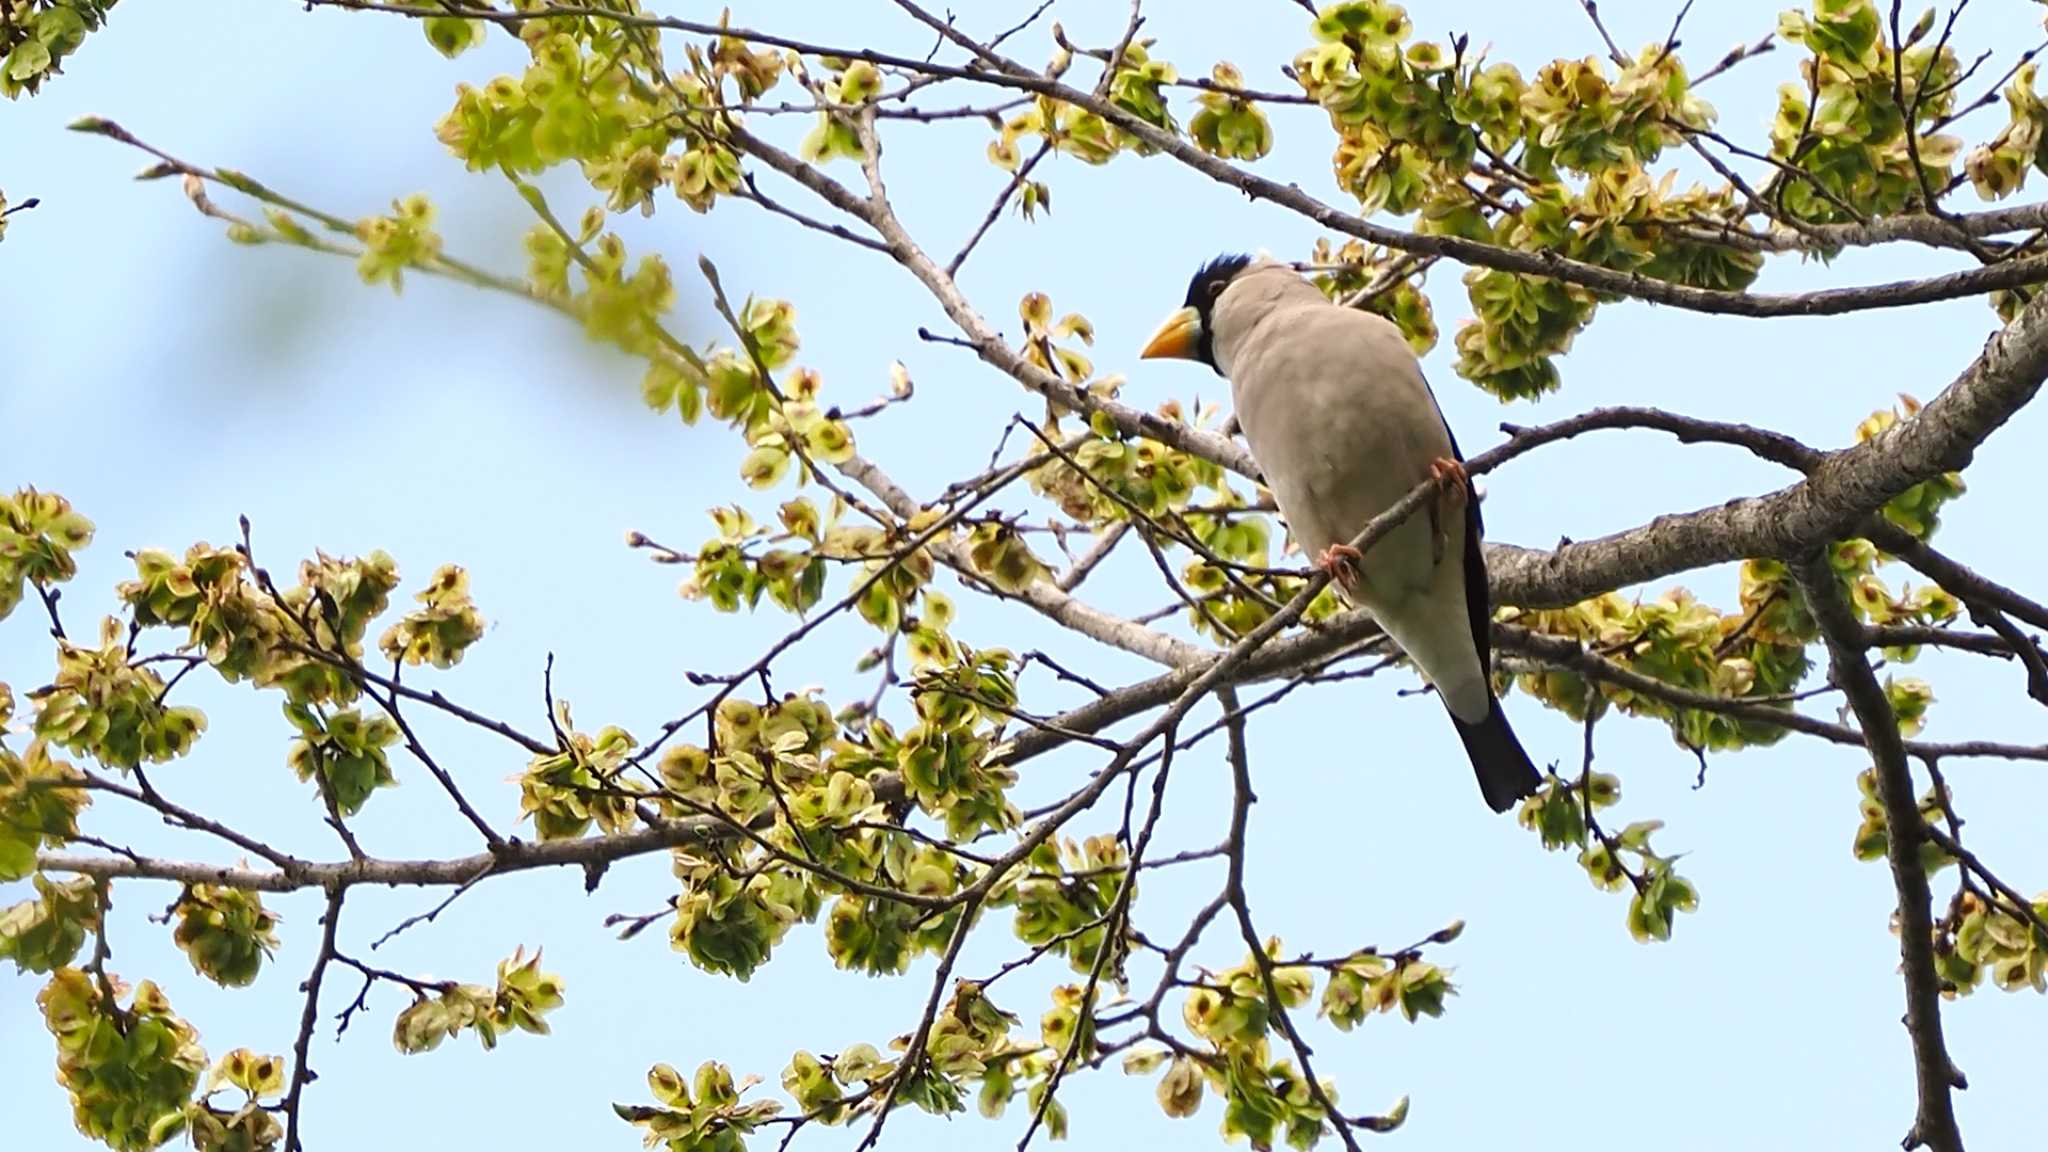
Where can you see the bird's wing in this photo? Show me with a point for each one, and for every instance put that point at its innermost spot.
(1478, 598)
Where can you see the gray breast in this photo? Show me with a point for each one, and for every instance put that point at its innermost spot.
(1334, 408)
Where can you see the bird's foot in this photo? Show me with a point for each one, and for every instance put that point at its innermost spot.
(1450, 477)
(1345, 564)
(1451, 483)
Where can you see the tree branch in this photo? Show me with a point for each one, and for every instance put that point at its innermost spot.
(1833, 502)
(1935, 1075)
(309, 1017)
(994, 69)
(1240, 904)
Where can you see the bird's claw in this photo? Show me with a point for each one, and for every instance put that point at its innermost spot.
(1452, 487)
(1345, 564)
(1450, 477)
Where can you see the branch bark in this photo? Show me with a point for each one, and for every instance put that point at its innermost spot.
(1935, 1075)
(309, 1019)
(1833, 502)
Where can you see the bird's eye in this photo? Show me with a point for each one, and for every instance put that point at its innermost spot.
(1215, 289)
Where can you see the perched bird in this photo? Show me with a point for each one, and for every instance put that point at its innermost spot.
(1335, 409)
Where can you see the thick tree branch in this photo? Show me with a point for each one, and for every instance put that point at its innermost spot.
(1834, 502)
(514, 856)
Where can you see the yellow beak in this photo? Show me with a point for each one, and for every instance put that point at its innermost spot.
(1177, 339)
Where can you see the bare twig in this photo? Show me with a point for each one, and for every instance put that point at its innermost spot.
(995, 210)
(309, 1017)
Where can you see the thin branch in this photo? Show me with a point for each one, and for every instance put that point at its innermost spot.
(2020, 907)
(994, 69)
(1021, 25)
(1116, 927)
(428, 916)
(432, 698)
(2022, 645)
(447, 782)
(1935, 1074)
(1096, 554)
(1990, 95)
(790, 436)
(1242, 800)
(50, 594)
(1957, 578)
(178, 816)
(516, 856)
(754, 194)
(1737, 55)
(309, 1017)
(1564, 652)
(914, 1054)
(995, 210)
(102, 951)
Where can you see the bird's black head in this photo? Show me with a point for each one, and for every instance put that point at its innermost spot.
(1204, 289)
(1189, 334)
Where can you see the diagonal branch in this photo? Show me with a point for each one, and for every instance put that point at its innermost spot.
(992, 68)
(987, 343)
(1832, 503)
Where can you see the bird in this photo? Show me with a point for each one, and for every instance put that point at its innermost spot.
(1335, 409)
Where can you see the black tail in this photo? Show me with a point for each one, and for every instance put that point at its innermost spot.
(1505, 773)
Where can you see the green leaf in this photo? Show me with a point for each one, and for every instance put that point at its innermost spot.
(451, 36)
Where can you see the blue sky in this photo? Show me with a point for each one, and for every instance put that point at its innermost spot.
(167, 381)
